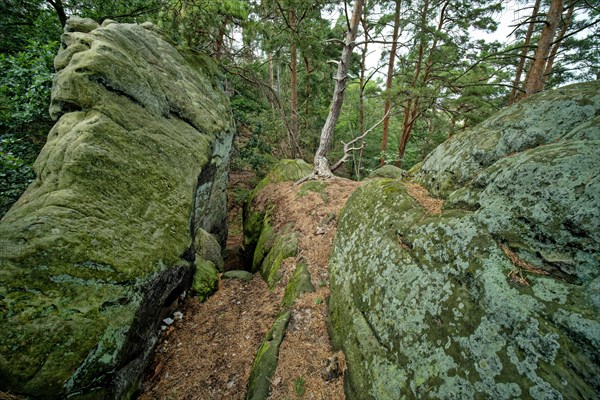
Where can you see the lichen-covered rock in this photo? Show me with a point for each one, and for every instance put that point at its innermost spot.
(100, 243)
(569, 112)
(499, 295)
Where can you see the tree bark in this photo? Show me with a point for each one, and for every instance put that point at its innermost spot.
(535, 78)
(515, 91)
(321, 164)
(60, 11)
(411, 104)
(271, 75)
(361, 98)
(293, 87)
(307, 86)
(557, 42)
(389, 82)
(219, 40)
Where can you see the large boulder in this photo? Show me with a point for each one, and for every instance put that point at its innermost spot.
(101, 244)
(497, 296)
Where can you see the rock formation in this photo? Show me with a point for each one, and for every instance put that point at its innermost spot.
(497, 296)
(101, 244)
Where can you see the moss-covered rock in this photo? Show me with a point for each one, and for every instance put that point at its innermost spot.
(101, 241)
(208, 248)
(253, 218)
(497, 297)
(265, 363)
(314, 186)
(284, 246)
(299, 283)
(236, 274)
(206, 279)
(388, 171)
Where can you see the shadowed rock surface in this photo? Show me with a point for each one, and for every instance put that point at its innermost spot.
(499, 295)
(101, 244)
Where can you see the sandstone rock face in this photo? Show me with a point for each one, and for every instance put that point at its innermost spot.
(499, 295)
(102, 242)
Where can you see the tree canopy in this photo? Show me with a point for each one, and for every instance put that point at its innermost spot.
(417, 69)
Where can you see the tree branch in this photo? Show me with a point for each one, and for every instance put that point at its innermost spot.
(347, 146)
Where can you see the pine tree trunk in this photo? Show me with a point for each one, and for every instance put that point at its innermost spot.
(219, 40)
(515, 91)
(557, 42)
(535, 78)
(361, 99)
(271, 75)
(388, 84)
(307, 87)
(293, 90)
(321, 164)
(411, 112)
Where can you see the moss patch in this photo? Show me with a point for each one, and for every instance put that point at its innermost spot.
(205, 280)
(265, 362)
(299, 283)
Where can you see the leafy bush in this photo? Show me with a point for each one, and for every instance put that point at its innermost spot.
(16, 172)
(25, 82)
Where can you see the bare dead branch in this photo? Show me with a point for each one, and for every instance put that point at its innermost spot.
(348, 146)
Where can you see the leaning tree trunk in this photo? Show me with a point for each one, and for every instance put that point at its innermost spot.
(535, 78)
(361, 97)
(321, 164)
(60, 11)
(515, 90)
(558, 41)
(388, 84)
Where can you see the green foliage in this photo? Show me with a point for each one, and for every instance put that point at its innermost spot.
(25, 82)
(201, 24)
(16, 172)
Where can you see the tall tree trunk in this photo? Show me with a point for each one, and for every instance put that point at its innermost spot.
(293, 87)
(389, 82)
(535, 78)
(558, 41)
(271, 75)
(60, 11)
(278, 82)
(321, 164)
(219, 40)
(361, 98)
(307, 86)
(515, 91)
(410, 103)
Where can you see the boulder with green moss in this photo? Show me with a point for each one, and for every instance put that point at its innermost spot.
(102, 241)
(499, 295)
(257, 228)
(205, 280)
(265, 362)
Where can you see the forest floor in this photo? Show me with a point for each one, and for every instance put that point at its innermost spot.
(208, 354)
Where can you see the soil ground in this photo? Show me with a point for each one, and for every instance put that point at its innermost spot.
(208, 354)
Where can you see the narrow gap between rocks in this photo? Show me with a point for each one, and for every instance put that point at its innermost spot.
(208, 353)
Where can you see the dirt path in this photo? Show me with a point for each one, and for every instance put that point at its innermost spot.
(209, 353)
